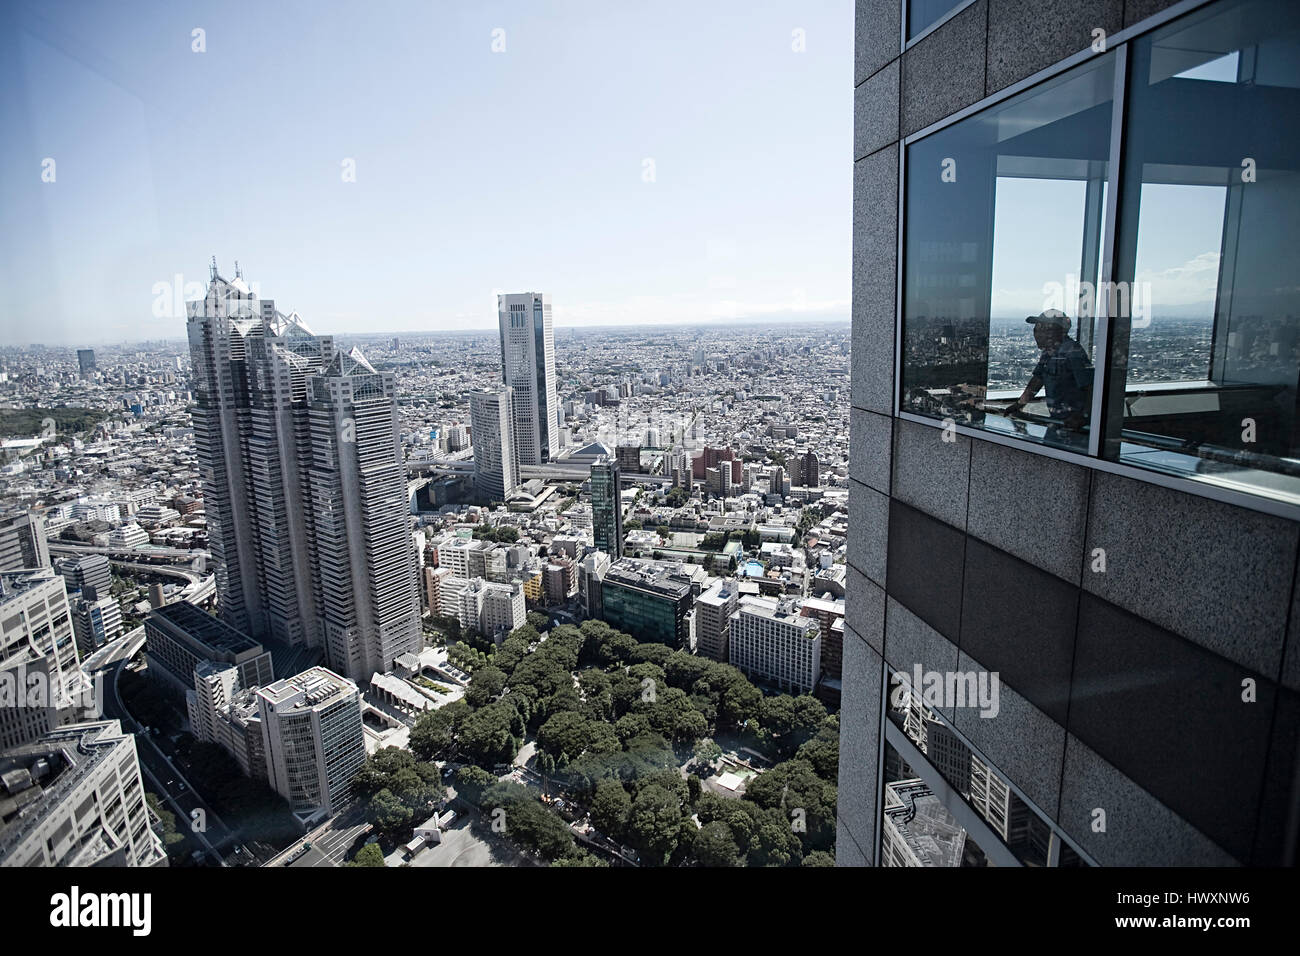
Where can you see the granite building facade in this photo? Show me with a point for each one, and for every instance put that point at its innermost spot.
(1122, 554)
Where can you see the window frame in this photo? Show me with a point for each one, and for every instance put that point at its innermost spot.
(957, 7)
(891, 735)
(1118, 44)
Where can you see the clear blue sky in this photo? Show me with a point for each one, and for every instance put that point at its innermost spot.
(476, 171)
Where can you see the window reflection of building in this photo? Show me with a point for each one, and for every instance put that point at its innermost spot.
(1026, 834)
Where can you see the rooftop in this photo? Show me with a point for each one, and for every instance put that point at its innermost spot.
(203, 627)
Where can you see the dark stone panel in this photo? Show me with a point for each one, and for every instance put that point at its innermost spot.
(1170, 715)
(926, 560)
(875, 279)
(1019, 621)
(875, 112)
(877, 36)
(945, 71)
(1277, 841)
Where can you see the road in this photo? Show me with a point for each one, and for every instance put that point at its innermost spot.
(330, 841)
(462, 846)
(158, 768)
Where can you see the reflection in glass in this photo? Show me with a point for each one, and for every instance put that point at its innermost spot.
(922, 13)
(917, 829)
(1028, 835)
(1204, 383)
(1004, 219)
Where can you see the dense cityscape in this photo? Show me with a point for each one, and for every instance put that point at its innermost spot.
(594, 577)
(647, 437)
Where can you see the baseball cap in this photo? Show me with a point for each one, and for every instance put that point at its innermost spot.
(1051, 317)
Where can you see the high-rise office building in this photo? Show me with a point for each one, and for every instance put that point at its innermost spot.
(313, 739)
(97, 622)
(22, 541)
(179, 637)
(528, 368)
(40, 671)
(75, 797)
(607, 507)
(651, 601)
(366, 587)
(304, 486)
(86, 360)
(629, 457)
(1118, 547)
(496, 462)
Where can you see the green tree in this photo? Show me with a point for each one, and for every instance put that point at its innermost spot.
(369, 855)
(471, 781)
(610, 808)
(388, 813)
(715, 846)
(793, 786)
(818, 858)
(823, 751)
(654, 822)
(435, 731)
(537, 621)
(486, 685)
(491, 734)
(171, 836)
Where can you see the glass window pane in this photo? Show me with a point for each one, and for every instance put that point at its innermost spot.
(1206, 329)
(983, 788)
(1005, 211)
(922, 13)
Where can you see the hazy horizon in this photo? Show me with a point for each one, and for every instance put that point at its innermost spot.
(404, 163)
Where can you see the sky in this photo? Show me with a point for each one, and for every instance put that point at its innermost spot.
(392, 166)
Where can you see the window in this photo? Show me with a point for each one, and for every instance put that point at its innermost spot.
(923, 14)
(1014, 276)
(1004, 219)
(1206, 362)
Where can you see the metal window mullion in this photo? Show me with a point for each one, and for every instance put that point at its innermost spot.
(1101, 366)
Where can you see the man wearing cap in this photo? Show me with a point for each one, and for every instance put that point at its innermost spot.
(1063, 370)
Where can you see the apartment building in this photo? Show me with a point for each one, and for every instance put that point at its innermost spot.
(772, 642)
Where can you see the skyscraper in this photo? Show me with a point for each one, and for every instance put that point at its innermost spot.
(496, 464)
(528, 367)
(607, 506)
(75, 797)
(86, 360)
(304, 488)
(366, 589)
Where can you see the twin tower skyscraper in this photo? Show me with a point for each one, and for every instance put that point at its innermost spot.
(304, 484)
(518, 424)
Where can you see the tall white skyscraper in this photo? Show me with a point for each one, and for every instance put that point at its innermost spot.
(304, 487)
(528, 367)
(496, 461)
(367, 589)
